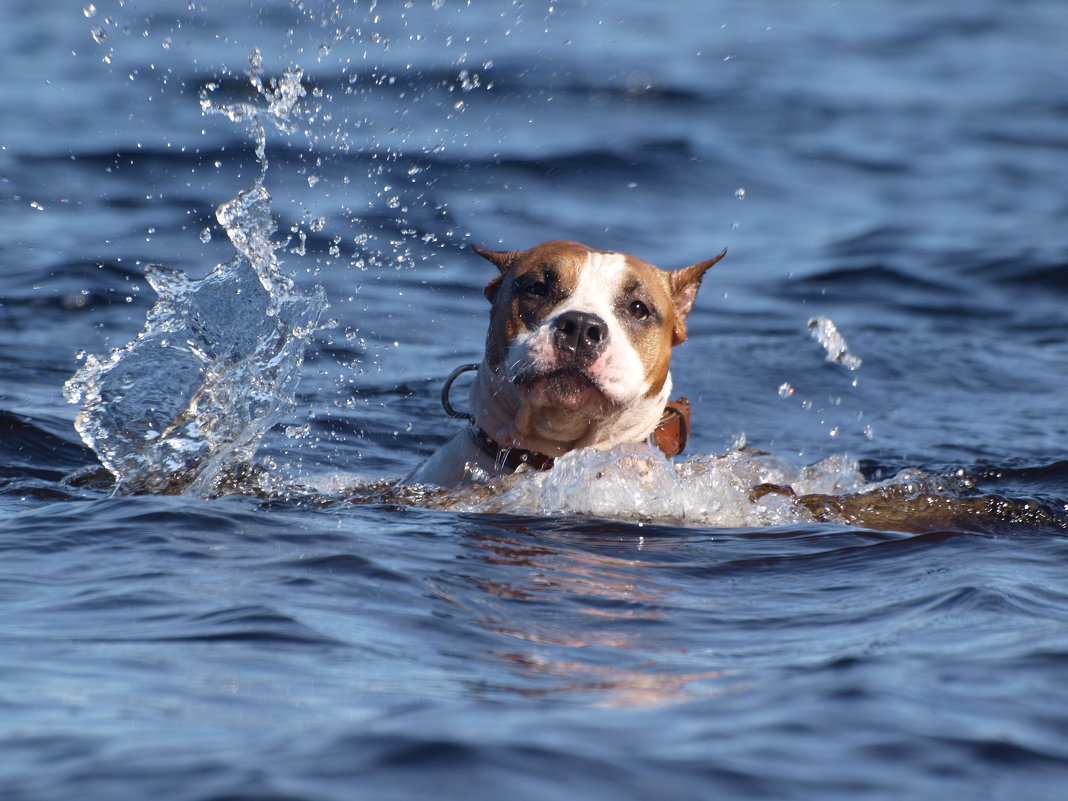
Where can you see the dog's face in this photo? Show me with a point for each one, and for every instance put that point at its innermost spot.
(580, 342)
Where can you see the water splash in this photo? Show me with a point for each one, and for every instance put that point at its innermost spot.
(183, 406)
(631, 481)
(281, 95)
(826, 333)
(741, 488)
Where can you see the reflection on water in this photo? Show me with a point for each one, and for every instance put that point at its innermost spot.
(581, 621)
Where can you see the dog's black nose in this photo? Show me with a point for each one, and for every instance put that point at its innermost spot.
(580, 334)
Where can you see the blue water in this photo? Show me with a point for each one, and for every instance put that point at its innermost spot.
(304, 633)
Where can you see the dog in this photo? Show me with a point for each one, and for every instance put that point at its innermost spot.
(577, 356)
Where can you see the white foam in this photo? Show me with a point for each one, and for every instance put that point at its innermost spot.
(635, 482)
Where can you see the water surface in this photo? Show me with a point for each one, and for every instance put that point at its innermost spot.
(300, 632)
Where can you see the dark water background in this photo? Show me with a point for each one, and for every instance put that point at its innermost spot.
(896, 167)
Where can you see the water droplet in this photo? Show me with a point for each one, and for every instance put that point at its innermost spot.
(313, 180)
(205, 235)
(826, 333)
(393, 202)
(89, 11)
(99, 34)
(740, 193)
(785, 390)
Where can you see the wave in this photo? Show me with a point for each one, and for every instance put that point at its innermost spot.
(29, 450)
(65, 286)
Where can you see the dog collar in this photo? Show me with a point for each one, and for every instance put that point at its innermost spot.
(507, 458)
(673, 431)
(670, 435)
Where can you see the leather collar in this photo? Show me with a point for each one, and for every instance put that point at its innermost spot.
(670, 434)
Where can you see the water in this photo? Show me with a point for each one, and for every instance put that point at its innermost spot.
(184, 405)
(850, 586)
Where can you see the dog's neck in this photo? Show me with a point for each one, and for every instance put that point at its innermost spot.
(498, 410)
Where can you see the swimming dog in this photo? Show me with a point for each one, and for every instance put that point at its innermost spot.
(577, 356)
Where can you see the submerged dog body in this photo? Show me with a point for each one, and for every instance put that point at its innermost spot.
(577, 355)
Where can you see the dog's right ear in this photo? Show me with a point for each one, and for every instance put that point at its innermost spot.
(502, 260)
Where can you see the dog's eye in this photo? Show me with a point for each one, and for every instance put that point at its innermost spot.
(638, 310)
(534, 289)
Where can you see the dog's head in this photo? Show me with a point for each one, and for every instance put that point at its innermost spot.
(579, 345)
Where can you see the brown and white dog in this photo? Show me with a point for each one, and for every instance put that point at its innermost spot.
(577, 356)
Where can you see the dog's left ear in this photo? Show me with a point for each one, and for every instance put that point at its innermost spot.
(684, 286)
(502, 260)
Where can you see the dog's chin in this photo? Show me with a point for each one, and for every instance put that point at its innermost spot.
(564, 389)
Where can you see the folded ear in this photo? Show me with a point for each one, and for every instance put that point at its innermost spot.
(684, 286)
(502, 260)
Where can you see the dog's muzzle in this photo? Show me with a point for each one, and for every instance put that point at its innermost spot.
(580, 335)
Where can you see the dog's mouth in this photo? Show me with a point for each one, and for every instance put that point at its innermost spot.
(569, 388)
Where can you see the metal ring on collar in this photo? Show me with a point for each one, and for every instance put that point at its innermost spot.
(449, 410)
